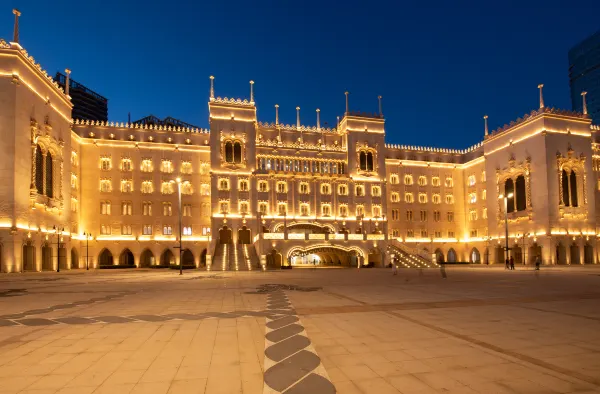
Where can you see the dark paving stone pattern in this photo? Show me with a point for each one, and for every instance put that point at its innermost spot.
(289, 371)
(313, 383)
(284, 321)
(287, 347)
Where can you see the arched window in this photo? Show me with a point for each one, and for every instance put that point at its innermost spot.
(573, 179)
(509, 188)
(521, 195)
(229, 152)
(451, 256)
(363, 161)
(237, 152)
(39, 170)
(475, 256)
(565, 188)
(370, 161)
(49, 175)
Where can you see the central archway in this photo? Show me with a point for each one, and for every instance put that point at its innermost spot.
(126, 258)
(146, 259)
(105, 258)
(330, 255)
(187, 258)
(167, 258)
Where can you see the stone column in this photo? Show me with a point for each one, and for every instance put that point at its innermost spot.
(44, 173)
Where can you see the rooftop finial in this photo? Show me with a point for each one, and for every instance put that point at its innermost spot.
(346, 93)
(485, 118)
(276, 114)
(68, 72)
(337, 127)
(380, 107)
(212, 87)
(251, 91)
(584, 103)
(16, 31)
(298, 117)
(318, 119)
(540, 87)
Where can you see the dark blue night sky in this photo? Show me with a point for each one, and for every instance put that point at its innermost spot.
(440, 66)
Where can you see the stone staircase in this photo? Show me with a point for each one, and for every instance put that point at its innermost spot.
(408, 257)
(239, 257)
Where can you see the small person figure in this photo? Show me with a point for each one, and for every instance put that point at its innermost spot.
(507, 264)
(394, 268)
(538, 261)
(512, 263)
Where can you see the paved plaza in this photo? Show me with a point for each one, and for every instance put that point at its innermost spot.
(480, 330)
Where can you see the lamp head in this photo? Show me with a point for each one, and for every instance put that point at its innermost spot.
(510, 195)
(178, 180)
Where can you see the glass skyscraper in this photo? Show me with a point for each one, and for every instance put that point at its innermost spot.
(584, 75)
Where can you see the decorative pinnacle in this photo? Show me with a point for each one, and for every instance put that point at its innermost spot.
(298, 117)
(485, 118)
(276, 114)
(212, 87)
(583, 94)
(251, 91)
(346, 93)
(68, 83)
(16, 30)
(380, 108)
(318, 119)
(540, 87)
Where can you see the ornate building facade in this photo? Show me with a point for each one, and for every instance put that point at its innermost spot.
(254, 194)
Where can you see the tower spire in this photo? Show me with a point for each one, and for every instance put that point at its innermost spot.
(298, 117)
(16, 30)
(346, 93)
(540, 87)
(584, 103)
(485, 118)
(318, 119)
(380, 107)
(212, 87)
(68, 83)
(276, 114)
(252, 91)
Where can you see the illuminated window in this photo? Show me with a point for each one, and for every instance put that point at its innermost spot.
(303, 188)
(343, 210)
(167, 187)
(450, 216)
(395, 214)
(422, 181)
(126, 185)
(263, 207)
(126, 229)
(223, 184)
(449, 199)
(282, 209)
(449, 181)
(409, 215)
(167, 229)
(473, 233)
(472, 198)
(105, 207)
(423, 233)
(304, 209)
(243, 185)
(233, 152)
(147, 229)
(186, 188)
(484, 195)
(325, 188)
(376, 209)
(423, 216)
(376, 191)
(147, 187)
(473, 214)
(205, 189)
(126, 165)
(73, 181)
(147, 165)
(204, 168)
(205, 230)
(394, 179)
(74, 204)
(437, 234)
(74, 159)
(471, 180)
(166, 166)
(435, 181)
(422, 198)
(342, 190)
(105, 185)
(105, 163)
(408, 179)
(408, 197)
(105, 230)
(366, 160)
(263, 186)
(187, 210)
(167, 209)
(325, 210)
(360, 190)
(436, 199)
(186, 167)
(436, 216)
(243, 208)
(395, 197)
(360, 211)
(450, 234)
(126, 208)
(483, 176)
(484, 213)
(224, 206)
(281, 187)
(410, 233)
(187, 230)
(147, 208)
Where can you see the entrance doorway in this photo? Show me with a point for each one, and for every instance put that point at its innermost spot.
(187, 258)
(47, 258)
(244, 235)
(225, 235)
(126, 258)
(74, 259)
(29, 257)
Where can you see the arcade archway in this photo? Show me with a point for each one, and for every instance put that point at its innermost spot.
(74, 259)
(187, 258)
(47, 264)
(326, 255)
(105, 258)
(126, 258)
(147, 259)
(29, 257)
(167, 258)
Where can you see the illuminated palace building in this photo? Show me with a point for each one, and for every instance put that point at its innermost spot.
(103, 194)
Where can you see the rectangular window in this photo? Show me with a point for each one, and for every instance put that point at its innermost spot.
(360, 211)
(360, 190)
(436, 216)
(105, 208)
(282, 209)
(304, 210)
(126, 186)
(224, 206)
(167, 209)
(437, 234)
(126, 165)
(450, 216)
(126, 208)
(243, 185)
(473, 233)
(187, 210)
(409, 216)
(263, 207)
(167, 230)
(325, 188)
(343, 190)
(303, 188)
(326, 210)
(243, 208)
(166, 166)
(205, 231)
(105, 230)
(423, 216)
(147, 165)
(105, 186)
(281, 187)
(147, 208)
(263, 186)
(126, 229)
(343, 210)
(147, 187)
(376, 191)
(187, 230)
(186, 167)
(410, 233)
(376, 211)
(423, 233)
(147, 229)
(451, 234)
(105, 163)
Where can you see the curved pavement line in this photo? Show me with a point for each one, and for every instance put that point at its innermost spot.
(292, 365)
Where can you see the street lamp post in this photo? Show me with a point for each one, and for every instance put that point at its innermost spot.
(58, 232)
(506, 197)
(178, 180)
(87, 250)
